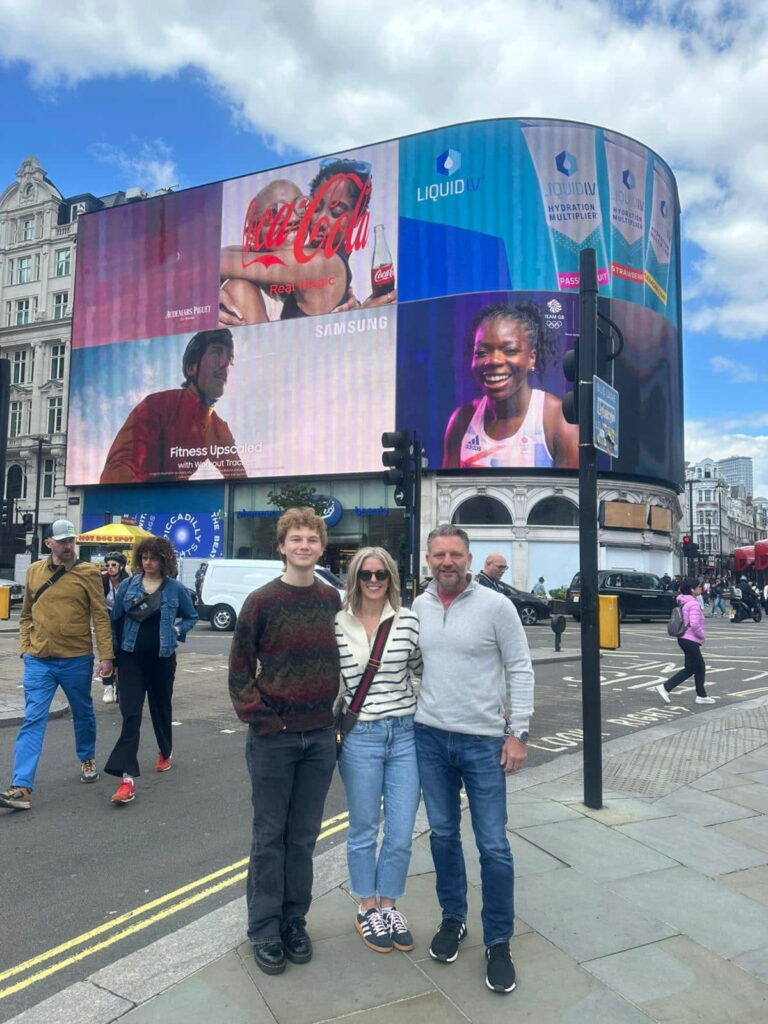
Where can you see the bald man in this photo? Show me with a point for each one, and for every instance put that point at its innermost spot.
(491, 573)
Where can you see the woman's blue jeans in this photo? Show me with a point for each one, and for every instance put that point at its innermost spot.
(448, 760)
(378, 760)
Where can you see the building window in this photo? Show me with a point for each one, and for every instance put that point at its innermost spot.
(27, 269)
(63, 262)
(49, 478)
(55, 414)
(28, 229)
(19, 373)
(554, 512)
(60, 305)
(15, 422)
(19, 312)
(481, 511)
(57, 361)
(75, 210)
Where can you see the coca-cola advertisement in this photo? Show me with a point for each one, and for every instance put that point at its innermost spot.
(309, 239)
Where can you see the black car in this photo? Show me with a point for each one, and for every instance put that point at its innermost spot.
(641, 594)
(530, 608)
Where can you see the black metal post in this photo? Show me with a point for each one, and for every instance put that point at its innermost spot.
(418, 460)
(689, 564)
(36, 544)
(588, 538)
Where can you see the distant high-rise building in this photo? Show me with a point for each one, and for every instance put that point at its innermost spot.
(737, 472)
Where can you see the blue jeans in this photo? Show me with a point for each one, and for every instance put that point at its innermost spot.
(718, 604)
(41, 678)
(446, 761)
(378, 760)
(290, 775)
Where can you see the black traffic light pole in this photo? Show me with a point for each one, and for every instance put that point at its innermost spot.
(404, 464)
(588, 538)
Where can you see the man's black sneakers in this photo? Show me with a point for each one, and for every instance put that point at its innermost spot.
(500, 973)
(270, 957)
(445, 944)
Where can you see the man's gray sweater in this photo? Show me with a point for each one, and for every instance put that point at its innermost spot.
(477, 664)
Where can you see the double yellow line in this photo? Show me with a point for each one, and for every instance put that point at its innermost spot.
(82, 946)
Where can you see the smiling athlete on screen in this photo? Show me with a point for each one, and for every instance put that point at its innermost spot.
(310, 277)
(170, 434)
(511, 424)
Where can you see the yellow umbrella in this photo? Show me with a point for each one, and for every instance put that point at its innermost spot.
(114, 533)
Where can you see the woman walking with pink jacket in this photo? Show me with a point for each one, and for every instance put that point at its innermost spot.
(690, 642)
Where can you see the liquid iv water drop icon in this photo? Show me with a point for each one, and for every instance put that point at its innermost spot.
(448, 163)
(566, 163)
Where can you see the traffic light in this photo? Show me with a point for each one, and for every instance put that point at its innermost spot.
(28, 522)
(6, 512)
(400, 467)
(571, 371)
(690, 549)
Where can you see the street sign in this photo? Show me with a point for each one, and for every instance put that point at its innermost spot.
(605, 417)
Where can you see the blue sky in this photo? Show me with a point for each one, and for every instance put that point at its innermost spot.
(108, 96)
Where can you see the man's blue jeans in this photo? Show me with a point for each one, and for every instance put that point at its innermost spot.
(41, 678)
(378, 760)
(290, 776)
(446, 761)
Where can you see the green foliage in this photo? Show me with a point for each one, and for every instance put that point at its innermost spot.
(293, 495)
(558, 594)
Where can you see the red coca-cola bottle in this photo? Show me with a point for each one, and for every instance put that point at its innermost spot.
(382, 267)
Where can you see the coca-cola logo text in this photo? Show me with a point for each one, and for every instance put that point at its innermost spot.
(381, 275)
(315, 231)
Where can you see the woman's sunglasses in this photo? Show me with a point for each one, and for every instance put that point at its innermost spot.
(368, 574)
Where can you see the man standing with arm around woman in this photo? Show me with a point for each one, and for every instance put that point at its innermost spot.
(378, 757)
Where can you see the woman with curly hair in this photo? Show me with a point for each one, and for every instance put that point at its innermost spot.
(151, 614)
(511, 424)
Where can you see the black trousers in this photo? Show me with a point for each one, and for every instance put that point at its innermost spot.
(694, 666)
(290, 776)
(142, 675)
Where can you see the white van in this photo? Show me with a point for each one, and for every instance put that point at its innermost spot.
(228, 581)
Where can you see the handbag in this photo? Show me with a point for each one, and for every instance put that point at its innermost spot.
(145, 605)
(345, 719)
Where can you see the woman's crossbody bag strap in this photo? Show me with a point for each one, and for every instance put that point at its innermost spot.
(372, 667)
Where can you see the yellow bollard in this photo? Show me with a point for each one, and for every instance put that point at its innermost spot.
(5, 602)
(608, 616)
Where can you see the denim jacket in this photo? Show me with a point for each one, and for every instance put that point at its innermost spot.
(175, 604)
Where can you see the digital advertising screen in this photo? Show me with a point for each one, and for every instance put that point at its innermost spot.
(275, 324)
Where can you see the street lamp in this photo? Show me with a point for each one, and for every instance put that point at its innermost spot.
(709, 535)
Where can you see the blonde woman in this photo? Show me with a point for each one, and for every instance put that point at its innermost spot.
(378, 757)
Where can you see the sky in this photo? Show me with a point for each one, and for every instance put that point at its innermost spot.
(109, 96)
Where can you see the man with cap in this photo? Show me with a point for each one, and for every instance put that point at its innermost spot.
(170, 434)
(62, 597)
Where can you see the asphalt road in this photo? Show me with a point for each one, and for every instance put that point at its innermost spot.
(75, 864)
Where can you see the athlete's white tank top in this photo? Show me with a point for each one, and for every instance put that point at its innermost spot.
(528, 447)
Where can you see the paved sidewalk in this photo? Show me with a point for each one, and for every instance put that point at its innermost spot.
(654, 908)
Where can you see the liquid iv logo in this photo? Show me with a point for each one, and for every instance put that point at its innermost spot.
(566, 163)
(628, 179)
(448, 163)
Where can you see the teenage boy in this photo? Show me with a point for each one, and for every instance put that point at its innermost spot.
(283, 680)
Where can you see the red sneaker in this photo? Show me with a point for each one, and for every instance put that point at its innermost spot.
(163, 764)
(126, 792)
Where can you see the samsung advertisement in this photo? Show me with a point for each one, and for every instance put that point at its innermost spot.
(274, 325)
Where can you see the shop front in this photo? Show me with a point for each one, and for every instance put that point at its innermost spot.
(360, 512)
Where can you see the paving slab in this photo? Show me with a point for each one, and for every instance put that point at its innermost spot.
(594, 850)
(750, 831)
(755, 962)
(602, 1007)
(342, 977)
(721, 778)
(222, 991)
(431, 1008)
(752, 883)
(585, 919)
(524, 810)
(678, 980)
(754, 796)
(622, 810)
(701, 807)
(699, 848)
(81, 1003)
(711, 914)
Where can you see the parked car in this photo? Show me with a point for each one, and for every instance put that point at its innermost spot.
(17, 590)
(641, 594)
(530, 608)
(228, 581)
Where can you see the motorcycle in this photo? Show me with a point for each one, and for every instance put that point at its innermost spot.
(742, 610)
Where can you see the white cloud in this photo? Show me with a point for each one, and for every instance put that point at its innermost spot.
(738, 373)
(150, 166)
(713, 438)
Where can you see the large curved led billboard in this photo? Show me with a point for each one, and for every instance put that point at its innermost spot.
(273, 325)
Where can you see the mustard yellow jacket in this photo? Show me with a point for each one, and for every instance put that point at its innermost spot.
(58, 625)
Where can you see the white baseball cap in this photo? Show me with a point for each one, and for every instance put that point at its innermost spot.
(62, 529)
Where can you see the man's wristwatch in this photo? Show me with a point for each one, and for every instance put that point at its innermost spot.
(518, 734)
